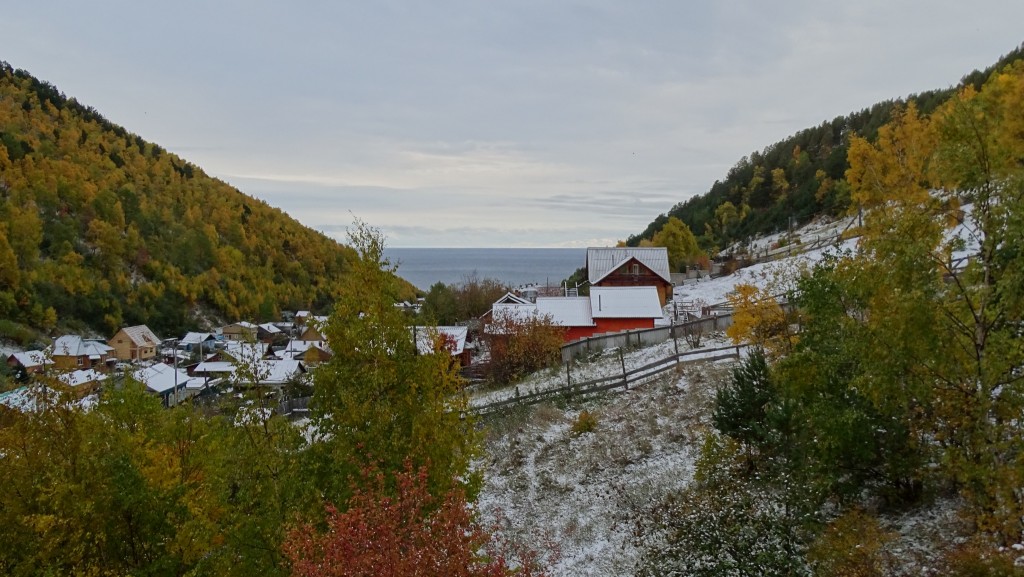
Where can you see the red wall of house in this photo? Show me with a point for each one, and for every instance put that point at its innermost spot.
(618, 325)
(607, 326)
(577, 333)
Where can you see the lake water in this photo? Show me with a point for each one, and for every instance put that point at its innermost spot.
(512, 266)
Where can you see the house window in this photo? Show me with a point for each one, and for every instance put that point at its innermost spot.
(80, 361)
(636, 268)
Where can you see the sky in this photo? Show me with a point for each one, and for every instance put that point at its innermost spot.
(475, 123)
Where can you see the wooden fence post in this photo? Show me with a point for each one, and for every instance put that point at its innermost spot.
(568, 377)
(622, 361)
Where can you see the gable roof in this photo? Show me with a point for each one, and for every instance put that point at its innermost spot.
(601, 262)
(196, 338)
(634, 302)
(160, 378)
(31, 359)
(512, 299)
(297, 348)
(76, 346)
(141, 336)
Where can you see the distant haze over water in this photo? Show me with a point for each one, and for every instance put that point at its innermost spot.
(512, 266)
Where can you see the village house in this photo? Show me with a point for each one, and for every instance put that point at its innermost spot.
(72, 352)
(192, 341)
(170, 384)
(630, 267)
(82, 382)
(453, 338)
(135, 344)
(29, 362)
(311, 353)
(313, 329)
(240, 331)
(605, 310)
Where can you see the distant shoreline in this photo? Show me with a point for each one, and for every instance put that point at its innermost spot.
(515, 267)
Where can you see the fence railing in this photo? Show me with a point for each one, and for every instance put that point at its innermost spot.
(619, 381)
(645, 337)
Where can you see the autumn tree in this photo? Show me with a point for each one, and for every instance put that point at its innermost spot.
(680, 242)
(378, 400)
(400, 532)
(522, 344)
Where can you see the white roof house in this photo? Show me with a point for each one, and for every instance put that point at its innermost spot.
(192, 339)
(296, 348)
(265, 371)
(162, 378)
(603, 261)
(76, 346)
(80, 378)
(32, 359)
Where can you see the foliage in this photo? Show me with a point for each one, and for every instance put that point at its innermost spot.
(975, 558)
(758, 319)
(585, 422)
(108, 229)
(470, 299)
(522, 345)
(402, 533)
(743, 406)
(723, 524)
(378, 401)
(798, 177)
(854, 545)
(680, 242)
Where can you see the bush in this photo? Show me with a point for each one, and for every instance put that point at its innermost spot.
(853, 545)
(520, 346)
(585, 422)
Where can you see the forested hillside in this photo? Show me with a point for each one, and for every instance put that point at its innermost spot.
(799, 177)
(99, 228)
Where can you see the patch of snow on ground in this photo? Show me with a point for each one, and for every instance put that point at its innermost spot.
(586, 492)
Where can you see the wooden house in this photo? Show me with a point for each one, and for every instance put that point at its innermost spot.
(136, 343)
(72, 352)
(29, 362)
(630, 267)
(240, 331)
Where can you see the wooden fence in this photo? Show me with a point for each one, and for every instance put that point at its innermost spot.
(645, 337)
(620, 381)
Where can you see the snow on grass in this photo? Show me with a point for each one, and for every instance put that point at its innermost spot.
(586, 492)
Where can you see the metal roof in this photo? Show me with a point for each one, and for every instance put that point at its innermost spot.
(603, 261)
(633, 302)
(566, 311)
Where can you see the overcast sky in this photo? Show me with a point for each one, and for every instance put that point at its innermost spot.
(491, 123)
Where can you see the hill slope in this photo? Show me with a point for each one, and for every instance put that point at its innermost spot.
(99, 228)
(799, 177)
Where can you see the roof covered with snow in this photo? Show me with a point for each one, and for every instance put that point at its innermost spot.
(31, 359)
(627, 302)
(141, 336)
(162, 377)
(566, 311)
(82, 377)
(76, 346)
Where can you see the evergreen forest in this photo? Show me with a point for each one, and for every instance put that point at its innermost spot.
(793, 180)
